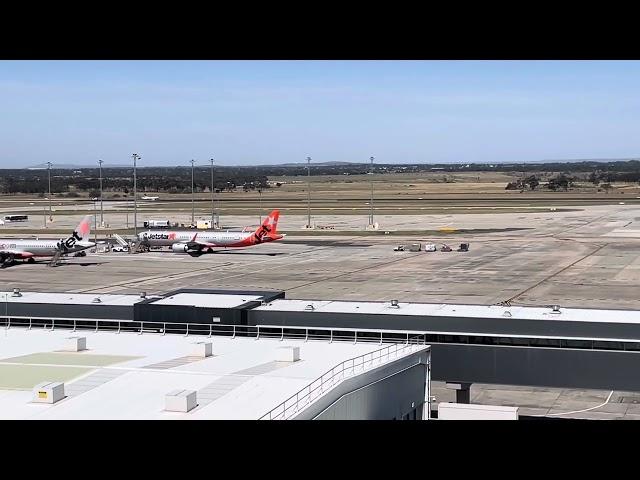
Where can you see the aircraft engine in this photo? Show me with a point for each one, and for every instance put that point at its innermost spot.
(180, 248)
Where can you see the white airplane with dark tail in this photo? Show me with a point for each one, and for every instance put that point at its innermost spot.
(28, 250)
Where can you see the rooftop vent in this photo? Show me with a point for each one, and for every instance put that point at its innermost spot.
(310, 308)
(506, 313)
(143, 294)
(96, 300)
(555, 309)
(395, 303)
(16, 293)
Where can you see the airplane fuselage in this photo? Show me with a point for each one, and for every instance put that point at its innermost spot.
(40, 248)
(166, 238)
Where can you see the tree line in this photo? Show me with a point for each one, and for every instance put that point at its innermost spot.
(170, 180)
(178, 179)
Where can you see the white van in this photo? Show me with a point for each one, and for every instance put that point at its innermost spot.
(430, 247)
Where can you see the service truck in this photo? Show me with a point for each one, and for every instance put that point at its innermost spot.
(157, 224)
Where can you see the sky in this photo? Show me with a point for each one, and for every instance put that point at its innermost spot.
(269, 112)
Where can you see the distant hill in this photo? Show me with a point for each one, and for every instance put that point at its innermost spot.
(317, 164)
(71, 166)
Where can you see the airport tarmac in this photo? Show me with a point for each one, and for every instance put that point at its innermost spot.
(589, 258)
(584, 258)
(551, 403)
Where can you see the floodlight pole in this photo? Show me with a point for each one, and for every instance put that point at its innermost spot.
(308, 192)
(49, 172)
(135, 195)
(193, 205)
(213, 205)
(371, 172)
(101, 210)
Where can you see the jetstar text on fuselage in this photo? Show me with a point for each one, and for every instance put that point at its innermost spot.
(159, 236)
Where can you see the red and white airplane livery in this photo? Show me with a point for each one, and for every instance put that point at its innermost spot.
(195, 244)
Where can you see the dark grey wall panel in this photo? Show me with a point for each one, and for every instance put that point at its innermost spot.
(562, 368)
(186, 314)
(384, 400)
(379, 394)
(555, 326)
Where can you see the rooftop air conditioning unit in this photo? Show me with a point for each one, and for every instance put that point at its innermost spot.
(202, 349)
(507, 313)
(310, 308)
(16, 293)
(48, 392)
(180, 401)
(76, 344)
(395, 303)
(96, 300)
(287, 354)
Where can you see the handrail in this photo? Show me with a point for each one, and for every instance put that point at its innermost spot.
(306, 395)
(144, 326)
(331, 331)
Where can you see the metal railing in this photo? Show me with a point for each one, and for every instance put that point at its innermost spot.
(109, 325)
(349, 368)
(210, 329)
(330, 334)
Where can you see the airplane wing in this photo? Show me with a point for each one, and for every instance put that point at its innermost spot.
(202, 244)
(196, 243)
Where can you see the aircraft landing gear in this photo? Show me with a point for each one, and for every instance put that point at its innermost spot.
(31, 260)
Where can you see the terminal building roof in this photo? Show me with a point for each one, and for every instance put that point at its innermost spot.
(64, 298)
(450, 310)
(208, 300)
(126, 376)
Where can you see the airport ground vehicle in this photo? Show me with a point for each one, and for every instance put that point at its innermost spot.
(430, 247)
(446, 248)
(81, 253)
(119, 248)
(203, 224)
(399, 248)
(415, 247)
(16, 218)
(157, 224)
(464, 247)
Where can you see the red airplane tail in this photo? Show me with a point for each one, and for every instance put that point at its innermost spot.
(268, 228)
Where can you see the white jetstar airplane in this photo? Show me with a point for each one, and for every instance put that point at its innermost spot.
(12, 249)
(205, 241)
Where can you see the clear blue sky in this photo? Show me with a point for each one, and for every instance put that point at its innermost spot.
(258, 112)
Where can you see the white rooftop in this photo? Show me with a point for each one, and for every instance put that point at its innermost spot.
(210, 300)
(71, 298)
(240, 381)
(449, 310)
